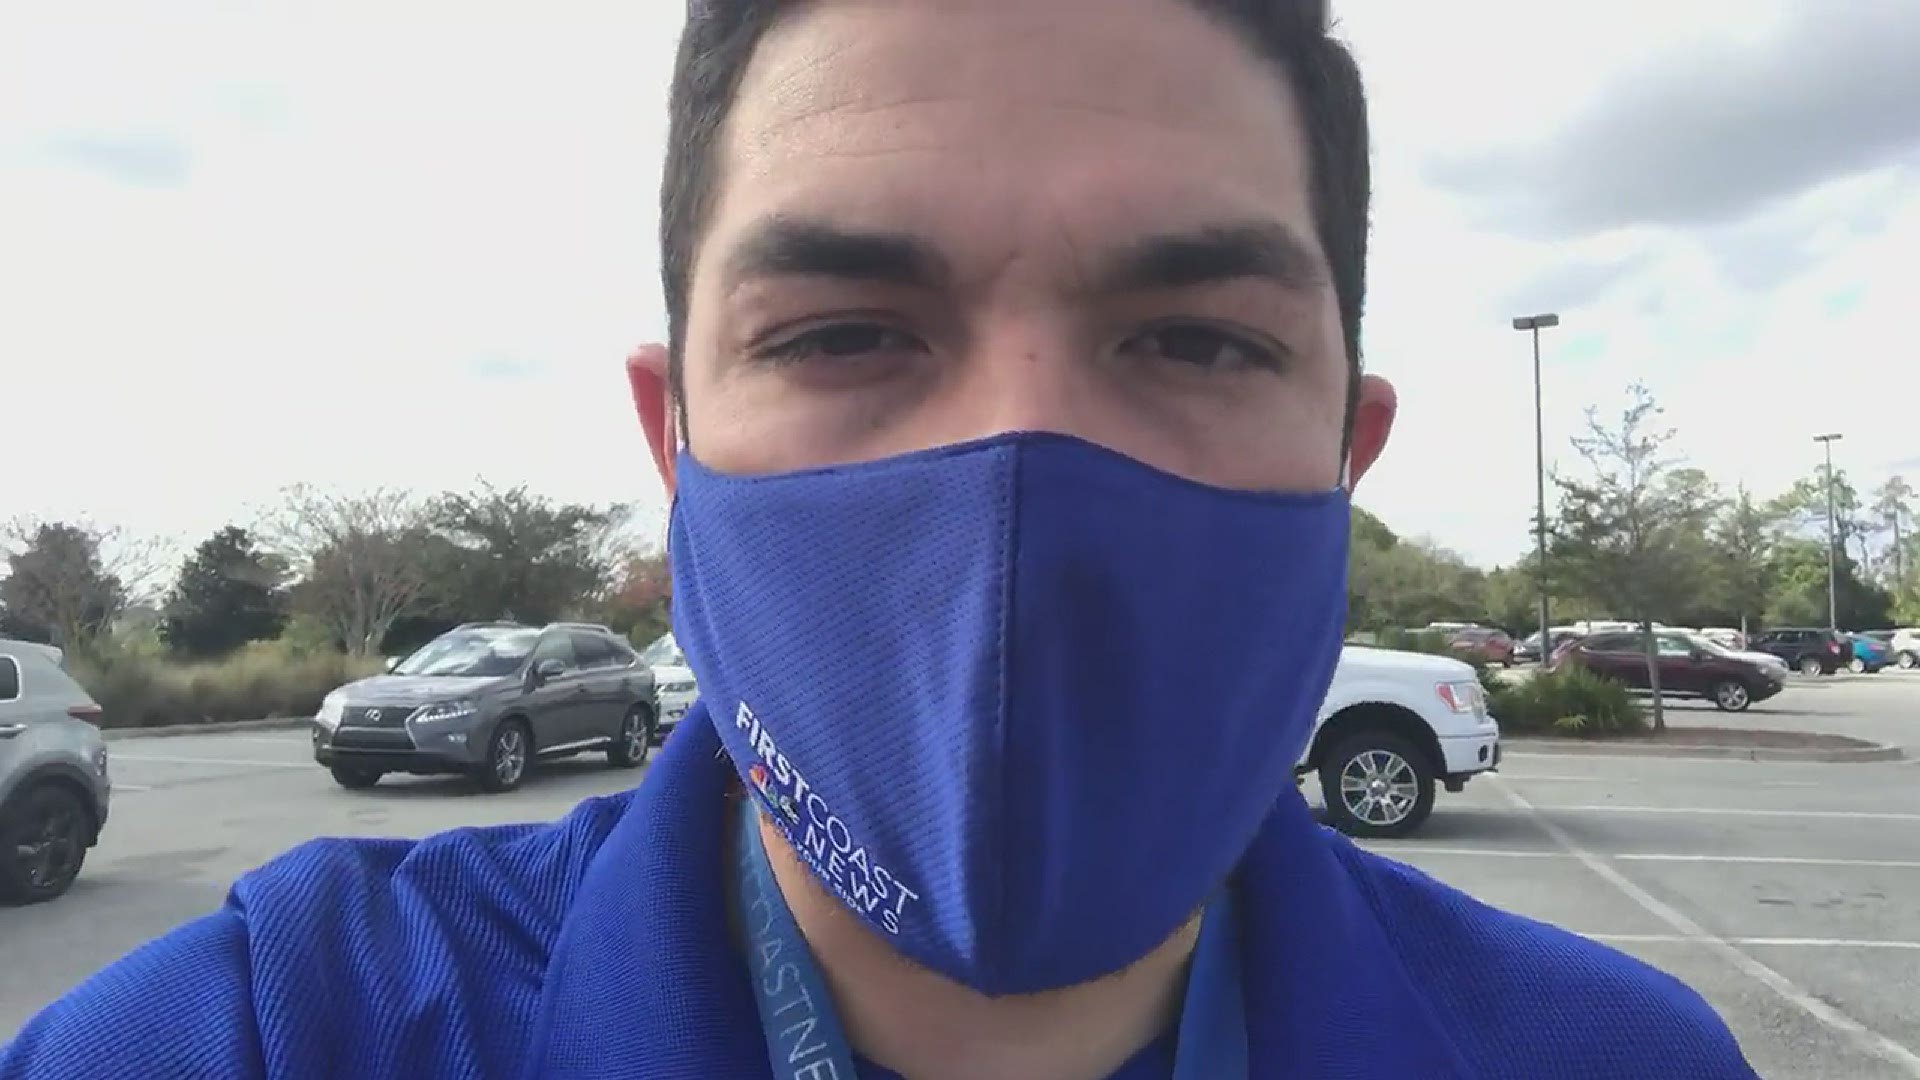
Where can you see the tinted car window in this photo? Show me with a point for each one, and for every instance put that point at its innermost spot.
(557, 647)
(592, 651)
(1670, 646)
(9, 678)
(1612, 643)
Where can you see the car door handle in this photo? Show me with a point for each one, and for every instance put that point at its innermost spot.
(8, 731)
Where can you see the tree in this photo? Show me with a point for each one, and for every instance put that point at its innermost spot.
(1803, 509)
(640, 603)
(362, 560)
(68, 581)
(1623, 536)
(522, 556)
(229, 593)
(1893, 511)
(1743, 537)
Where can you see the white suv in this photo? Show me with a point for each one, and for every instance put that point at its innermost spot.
(1393, 726)
(1906, 647)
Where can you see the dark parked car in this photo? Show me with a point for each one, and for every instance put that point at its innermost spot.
(1689, 667)
(1488, 646)
(489, 700)
(53, 774)
(1810, 651)
(1527, 649)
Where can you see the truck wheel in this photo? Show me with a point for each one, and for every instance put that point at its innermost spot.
(1377, 785)
(1731, 696)
(1908, 661)
(1811, 666)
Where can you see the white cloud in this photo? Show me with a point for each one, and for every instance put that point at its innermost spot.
(354, 243)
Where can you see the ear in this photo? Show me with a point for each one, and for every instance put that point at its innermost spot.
(647, 376)
(1372, 422)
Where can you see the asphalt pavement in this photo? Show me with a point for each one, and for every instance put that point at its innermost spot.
(1787, 893)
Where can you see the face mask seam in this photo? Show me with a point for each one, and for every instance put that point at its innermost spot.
(1008, 528)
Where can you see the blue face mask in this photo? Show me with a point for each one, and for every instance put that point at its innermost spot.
(1021, 704)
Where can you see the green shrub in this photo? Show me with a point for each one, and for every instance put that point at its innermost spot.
(1570, 701)
(1430, 642)
(262, 680)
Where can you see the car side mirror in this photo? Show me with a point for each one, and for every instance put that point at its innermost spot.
(393, 662)
(546, 670)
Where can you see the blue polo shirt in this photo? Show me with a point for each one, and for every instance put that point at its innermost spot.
(599, 946)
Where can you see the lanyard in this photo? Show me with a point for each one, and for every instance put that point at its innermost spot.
(804, 1040)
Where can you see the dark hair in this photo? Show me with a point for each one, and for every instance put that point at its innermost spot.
(720, 37)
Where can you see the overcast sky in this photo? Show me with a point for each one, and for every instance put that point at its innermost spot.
(353, 243)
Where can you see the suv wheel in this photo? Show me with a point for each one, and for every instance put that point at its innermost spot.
(1732, 696)
(1377, 785)
(1908, 661)
(355, 778)
(42, 844)
(1810, 665)
(629, 748)
(509, 753)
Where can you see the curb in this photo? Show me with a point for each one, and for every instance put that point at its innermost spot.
(286, 723)
(1843, 755)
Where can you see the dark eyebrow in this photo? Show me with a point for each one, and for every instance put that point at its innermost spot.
(798, 247)
(1216, 253)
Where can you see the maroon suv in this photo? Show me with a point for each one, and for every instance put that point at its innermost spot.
(1689, 667)
(1486, 645)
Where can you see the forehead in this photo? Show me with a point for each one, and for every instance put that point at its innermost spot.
(990, 122)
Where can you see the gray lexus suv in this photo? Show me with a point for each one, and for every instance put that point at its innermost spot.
(488, 700)
(53, 774)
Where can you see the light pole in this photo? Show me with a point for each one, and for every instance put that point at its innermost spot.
(1535, 324)
(1833, 602)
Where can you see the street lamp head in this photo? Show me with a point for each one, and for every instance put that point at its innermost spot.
(1828, 438)
(1536, 322)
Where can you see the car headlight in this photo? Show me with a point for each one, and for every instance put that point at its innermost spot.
(330, 708)
(1462, 697)
(443, 711)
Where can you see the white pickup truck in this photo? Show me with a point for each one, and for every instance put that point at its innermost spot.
(1395, 725)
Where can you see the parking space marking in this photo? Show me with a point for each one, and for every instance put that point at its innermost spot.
(1755, 942)
(1872, 1041)
(119, 787)
(1608, 808)
(1398, 850)
(241, 763)
(1550, 778)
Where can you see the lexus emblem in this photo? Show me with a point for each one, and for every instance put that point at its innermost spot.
(373, 716)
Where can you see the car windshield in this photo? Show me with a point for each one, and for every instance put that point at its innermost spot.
(472, 653)
(664, 652)
(1707, 644)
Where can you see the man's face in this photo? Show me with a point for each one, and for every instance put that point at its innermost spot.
(938, 222)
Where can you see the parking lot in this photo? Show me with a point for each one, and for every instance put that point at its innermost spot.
(1787, 893)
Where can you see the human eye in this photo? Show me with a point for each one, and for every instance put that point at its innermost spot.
(848, 342)
(1206, 346)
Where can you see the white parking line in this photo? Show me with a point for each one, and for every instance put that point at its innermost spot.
(243, 763)
(1548, 778)
(1756, 942)
(120, 788)
(1872, 1041)
(1839, 815)
(1397, 850)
